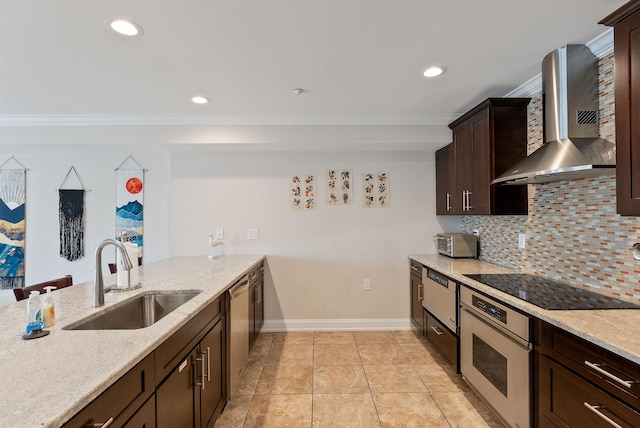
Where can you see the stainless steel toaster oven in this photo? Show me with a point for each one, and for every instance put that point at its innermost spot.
(457, 245)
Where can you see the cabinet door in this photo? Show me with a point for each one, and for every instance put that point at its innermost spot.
(145, 417)
(445, 180)
(463, 140)
(212, 349)
(259, 305)
(627, 91)
(567, 400)
(253, 296)
(175, 397)
(416, 301)
(479, 201)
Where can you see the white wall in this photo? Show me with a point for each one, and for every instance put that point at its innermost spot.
(47, 169)
(317, 260)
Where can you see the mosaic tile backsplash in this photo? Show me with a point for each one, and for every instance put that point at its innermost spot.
(573, 233)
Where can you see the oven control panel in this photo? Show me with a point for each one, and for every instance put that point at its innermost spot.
(489, 309)
(440, 279)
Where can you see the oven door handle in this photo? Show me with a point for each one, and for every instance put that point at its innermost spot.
(485, 319)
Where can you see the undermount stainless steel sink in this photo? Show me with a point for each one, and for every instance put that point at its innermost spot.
(139, 312)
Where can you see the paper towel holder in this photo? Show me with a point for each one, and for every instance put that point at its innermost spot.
(127, 286)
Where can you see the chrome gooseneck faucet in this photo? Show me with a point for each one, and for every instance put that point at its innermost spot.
(98, 283)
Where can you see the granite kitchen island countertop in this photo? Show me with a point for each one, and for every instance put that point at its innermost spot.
(617, 330)
(46, 381)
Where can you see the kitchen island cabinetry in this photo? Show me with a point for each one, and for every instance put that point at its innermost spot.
(415, 283)
(193, 392)
(487, 140)
(446, 180)
(124, 402)
(626, 23)
(256, 304)
(579, 384)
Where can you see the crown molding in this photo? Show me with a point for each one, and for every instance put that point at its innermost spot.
(159, 120)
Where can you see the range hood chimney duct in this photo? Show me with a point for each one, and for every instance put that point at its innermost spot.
(573, 148)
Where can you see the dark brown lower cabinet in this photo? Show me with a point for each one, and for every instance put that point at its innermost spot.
(417, 294)
(567, 400)
(145, 417)
(256, 306)
(579, 384)
(123, 402)
(175, 396)
(192, 394)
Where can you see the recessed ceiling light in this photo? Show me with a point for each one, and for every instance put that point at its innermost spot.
(199, 99)
(124, 27)
(298, 91)
(433, 71)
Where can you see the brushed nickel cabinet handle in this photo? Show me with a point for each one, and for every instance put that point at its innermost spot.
(99, 425)
(436, 330)
(595, 409)
(420, 291)
(208, 364)
(613, 377)
(448, 201)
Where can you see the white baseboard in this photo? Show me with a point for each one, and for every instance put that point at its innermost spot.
(337, 324)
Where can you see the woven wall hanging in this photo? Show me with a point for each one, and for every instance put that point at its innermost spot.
(71, 214)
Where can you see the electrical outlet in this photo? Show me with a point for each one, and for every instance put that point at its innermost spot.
(522, 241)
(476, 232)
(252, 234)
(219, 234)
(366, 284)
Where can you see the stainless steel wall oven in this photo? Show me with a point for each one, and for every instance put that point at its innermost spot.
(495, 355)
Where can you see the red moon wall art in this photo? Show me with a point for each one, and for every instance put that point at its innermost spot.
(129, 205)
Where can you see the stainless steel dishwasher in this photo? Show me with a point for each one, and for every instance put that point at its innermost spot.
(239, 331)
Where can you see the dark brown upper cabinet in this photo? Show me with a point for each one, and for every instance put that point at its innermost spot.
(487, 140)
(626, 24)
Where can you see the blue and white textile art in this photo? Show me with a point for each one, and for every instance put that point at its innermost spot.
(12, 227)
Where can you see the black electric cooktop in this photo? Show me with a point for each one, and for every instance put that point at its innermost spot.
(549, 294)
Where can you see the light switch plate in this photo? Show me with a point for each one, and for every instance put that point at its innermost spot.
(252, 234)
(219, 234)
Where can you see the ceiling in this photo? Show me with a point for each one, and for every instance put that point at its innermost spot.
(359, 62)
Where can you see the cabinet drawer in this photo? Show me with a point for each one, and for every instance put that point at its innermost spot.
(444, 340)
(172, 350)
(416, 268)
(121, 400)
(145, 417)
(605, 369)
(565, 399)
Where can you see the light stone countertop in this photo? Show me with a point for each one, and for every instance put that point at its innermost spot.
(617, 330)
(45, 381)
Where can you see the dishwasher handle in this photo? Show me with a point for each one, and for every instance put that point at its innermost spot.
(239, 287)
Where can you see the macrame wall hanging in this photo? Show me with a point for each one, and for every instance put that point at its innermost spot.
(130, 201)
(71, 218)
(12, 223)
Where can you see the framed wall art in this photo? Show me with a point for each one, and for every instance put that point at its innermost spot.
(302, 192)
(339, 187)
(375, 190)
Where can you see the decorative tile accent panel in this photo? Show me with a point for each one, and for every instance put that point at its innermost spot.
(573, 232)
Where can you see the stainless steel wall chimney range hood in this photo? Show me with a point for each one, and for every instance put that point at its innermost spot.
(573, 148)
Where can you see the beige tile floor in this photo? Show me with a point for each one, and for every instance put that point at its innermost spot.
(351, 379)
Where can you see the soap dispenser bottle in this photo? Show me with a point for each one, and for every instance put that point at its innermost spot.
(49, 317)
(34, 312)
